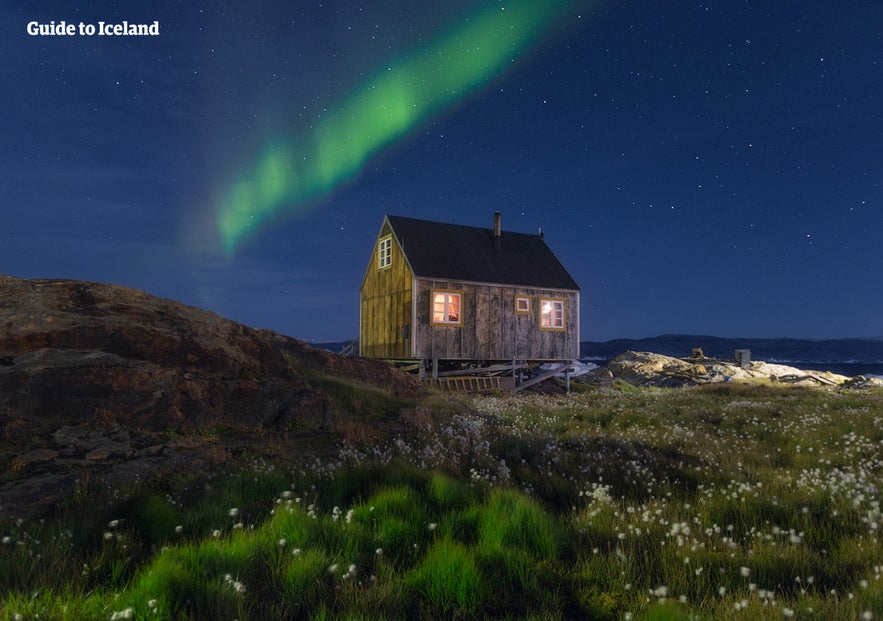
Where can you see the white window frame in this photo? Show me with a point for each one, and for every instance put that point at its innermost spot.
(384, 252)
(447, 302)
(525, 310)
(549, 316)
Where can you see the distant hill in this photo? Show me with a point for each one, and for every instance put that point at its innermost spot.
(779, 350)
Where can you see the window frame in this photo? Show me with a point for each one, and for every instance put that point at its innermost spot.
(384, 252)
(522, 311)
(448, 293)
(552, 327)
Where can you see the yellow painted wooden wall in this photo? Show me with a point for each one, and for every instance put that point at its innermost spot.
(386, 306)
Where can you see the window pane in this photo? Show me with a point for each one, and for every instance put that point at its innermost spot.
(384, 253)
(552, 314)
(558, 314)
(546, 314)
(454, 308)
(438, 307)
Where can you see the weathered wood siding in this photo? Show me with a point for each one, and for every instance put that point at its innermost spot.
(491, 328)
(386, 306)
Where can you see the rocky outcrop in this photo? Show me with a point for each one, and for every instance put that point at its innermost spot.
(649, 369)
(117, 385)
(70, 348)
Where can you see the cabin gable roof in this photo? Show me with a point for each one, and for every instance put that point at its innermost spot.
(468, 253)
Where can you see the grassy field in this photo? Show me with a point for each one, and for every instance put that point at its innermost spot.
(724, 502)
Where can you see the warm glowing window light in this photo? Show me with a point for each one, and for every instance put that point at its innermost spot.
(552, 314)
(446, 308)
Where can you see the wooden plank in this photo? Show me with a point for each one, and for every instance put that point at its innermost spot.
(542, 376)
(497, 368)
(482, 314)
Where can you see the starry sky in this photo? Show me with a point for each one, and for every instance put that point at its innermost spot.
(699, 167)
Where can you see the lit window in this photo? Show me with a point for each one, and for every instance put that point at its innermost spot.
(384, 253)
(446, 308)
(552, 314)
(522, 305)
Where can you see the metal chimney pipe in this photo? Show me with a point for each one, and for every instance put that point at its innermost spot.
(497, 231)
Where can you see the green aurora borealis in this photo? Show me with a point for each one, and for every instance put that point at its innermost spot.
(398, 98)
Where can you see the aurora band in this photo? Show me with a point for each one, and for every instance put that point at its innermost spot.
(398, 98)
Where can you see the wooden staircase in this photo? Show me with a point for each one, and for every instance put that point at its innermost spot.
(475, 383)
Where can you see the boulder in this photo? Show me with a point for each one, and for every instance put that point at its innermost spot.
(650, 369)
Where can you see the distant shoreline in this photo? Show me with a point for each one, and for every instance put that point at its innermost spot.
(849, 357)
(849, 369)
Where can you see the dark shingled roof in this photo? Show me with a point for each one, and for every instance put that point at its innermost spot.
(457, 252)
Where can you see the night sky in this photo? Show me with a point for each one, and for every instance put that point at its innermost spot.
(699, 167)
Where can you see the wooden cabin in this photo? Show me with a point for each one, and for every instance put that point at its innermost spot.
(447, 292)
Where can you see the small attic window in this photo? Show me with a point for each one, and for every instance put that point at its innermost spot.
(384, 252)
(522, 305)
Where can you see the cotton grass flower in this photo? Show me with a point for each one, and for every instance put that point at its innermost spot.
(234, 584)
